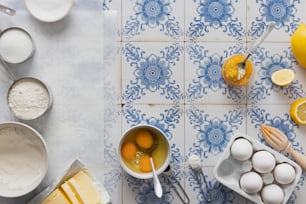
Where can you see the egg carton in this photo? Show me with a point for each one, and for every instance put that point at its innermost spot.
(228, 170)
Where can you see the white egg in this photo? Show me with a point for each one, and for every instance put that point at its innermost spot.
(272, 194)
(263, 161)
(241, 149)
(284, 173)
(251, 182)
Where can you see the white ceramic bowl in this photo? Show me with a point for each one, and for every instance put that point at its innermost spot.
(49, 10)
(23, 159)
(155, 131)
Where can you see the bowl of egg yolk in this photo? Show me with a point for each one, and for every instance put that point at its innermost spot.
(132, 157)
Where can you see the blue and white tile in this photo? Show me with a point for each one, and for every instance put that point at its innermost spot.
(219, 193)
(278, 116)
(112, 12)
(269, 58)
(152, 20)
(209, 128)
(284, 13)
(152, 73)
(204, 83)
(214, 20)
(112, 181)
(142, 191)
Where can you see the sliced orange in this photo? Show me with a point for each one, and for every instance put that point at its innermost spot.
(283, 77)
(144, 139)
(298, 111)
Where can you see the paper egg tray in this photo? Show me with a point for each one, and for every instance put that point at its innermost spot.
(228, 170)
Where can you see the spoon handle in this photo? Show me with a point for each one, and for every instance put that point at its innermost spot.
(257, 43)
(7, 70)
(157, 186)
(7, 10)
(299, 158)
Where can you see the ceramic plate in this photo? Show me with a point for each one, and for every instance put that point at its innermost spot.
(49, 10)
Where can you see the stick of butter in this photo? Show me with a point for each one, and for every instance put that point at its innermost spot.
(79, 189)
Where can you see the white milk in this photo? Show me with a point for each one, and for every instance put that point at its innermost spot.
(28, 99)
(15, 46)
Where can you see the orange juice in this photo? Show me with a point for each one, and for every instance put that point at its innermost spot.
(230, 70)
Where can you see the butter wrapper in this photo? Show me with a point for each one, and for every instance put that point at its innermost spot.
(73, 169)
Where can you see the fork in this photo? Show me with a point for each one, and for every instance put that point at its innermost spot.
(253, 48)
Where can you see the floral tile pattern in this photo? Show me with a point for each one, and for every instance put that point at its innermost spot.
(215, 20)
(269, 58)
(284, 13)
(203, 80)
(152, 20)
(172, 53)
(152, 73)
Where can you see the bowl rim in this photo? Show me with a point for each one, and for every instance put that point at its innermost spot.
(143, 175)
(48, 19)
(44, 147)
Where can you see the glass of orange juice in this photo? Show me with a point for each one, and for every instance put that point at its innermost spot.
(230, 70)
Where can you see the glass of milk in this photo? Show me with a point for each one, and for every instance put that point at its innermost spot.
(16, 45)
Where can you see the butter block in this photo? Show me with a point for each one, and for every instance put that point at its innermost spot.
(79, 189)
(70, 193)
(57, 197)
(82, 184)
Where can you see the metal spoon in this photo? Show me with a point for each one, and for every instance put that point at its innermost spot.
(195, 164)
(7, 10)
(7, 70)
(157, 186)
(175, 184)
(241, 65)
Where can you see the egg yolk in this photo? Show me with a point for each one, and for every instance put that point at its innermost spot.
(144, 139)
(145, 164)
(128, 150)
(230, 70)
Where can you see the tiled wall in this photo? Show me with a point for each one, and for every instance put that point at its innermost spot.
(167, 72)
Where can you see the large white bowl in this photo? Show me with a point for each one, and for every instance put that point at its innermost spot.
(49, 10)
(23, 159)
(153, 130)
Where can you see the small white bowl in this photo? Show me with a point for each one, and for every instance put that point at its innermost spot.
(49, 10)
(155, 131)
(23, 159)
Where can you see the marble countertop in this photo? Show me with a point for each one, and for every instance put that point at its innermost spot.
(163, 68)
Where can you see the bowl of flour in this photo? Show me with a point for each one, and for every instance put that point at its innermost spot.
(23, 159)
(28, 98)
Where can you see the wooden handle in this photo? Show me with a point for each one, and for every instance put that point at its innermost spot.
(300, 158)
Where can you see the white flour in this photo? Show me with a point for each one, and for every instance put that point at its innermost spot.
(22, 159)
(28, 99)
(15, 46)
